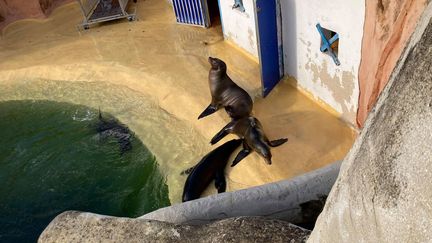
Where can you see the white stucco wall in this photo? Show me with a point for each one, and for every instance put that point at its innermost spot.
(239, 27)
(315, 71)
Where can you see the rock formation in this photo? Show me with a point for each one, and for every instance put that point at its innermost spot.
(78, 227)
(221, 217)
(383, 192)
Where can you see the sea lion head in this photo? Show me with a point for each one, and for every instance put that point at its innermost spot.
(264, 151)
(217, 64)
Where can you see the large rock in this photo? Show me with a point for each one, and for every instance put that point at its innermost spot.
(298, 200)
(86, 227)
(384, 189)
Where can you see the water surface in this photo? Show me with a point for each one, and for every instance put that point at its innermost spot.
(52, 160)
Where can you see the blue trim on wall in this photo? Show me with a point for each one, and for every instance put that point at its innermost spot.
(268, 44)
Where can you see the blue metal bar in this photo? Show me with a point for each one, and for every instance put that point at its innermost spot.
(331, 41)
(188, 12)
(191, 12)
(182, 11)
(201, 12)
(198, 12)
(185, 12)
(327, 45)
(178, 6)
(176, 10)
(195, 12)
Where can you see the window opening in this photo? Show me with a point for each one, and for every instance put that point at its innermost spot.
(238, 4)
(329, 43)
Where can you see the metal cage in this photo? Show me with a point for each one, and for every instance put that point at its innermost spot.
(97, 11)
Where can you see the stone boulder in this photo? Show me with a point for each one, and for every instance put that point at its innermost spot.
(75, 226)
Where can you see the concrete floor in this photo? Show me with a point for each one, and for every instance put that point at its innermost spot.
(152, 75)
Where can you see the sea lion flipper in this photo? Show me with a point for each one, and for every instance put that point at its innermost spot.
(220, 182)
(208, 111)
(187, 171)
(277, 142)
(222, 133)
(241, 155)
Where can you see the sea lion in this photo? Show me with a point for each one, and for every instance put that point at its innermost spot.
(254, 138)
(113, 128)
(225, 93)
(211, 166)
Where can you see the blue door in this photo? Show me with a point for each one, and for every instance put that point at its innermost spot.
(267, 44)
(193, 12)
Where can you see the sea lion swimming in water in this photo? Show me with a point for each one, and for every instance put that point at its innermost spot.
(211, 166)
(225, 93)
(113, 128)
(254, 139)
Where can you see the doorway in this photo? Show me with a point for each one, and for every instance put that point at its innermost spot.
(214, 12)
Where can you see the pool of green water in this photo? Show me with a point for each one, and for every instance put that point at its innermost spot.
(52, 159)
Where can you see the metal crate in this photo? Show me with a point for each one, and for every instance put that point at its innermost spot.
(97, 11)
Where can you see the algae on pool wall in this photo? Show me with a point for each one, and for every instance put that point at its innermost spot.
(52, 159)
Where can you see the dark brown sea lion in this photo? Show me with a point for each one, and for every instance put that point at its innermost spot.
(225, 93)
(211, 166)
(251, 130)
(113, 128)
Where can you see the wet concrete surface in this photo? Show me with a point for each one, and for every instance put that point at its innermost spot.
(152, 75)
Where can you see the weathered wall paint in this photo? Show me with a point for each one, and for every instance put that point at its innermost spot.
(383, 191)
(239, 27)
(315, 71)
(388, 26)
